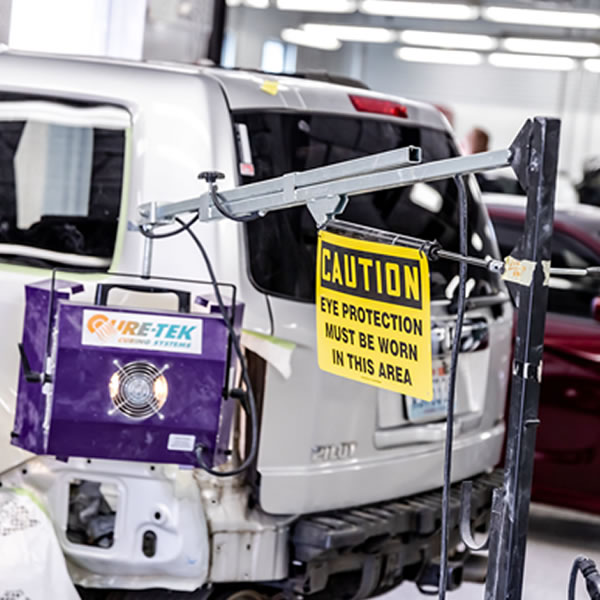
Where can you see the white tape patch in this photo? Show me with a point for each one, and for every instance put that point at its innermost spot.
(181, 442)
(546, 267)
(518, 271)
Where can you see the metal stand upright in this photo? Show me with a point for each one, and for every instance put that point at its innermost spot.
(324, 191)
(534, 160)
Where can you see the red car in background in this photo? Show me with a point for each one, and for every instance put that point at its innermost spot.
(567, 458)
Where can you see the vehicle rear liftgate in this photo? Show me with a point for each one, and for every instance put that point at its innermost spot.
(533, 156)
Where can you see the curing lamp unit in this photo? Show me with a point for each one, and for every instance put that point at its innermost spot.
(124, 383)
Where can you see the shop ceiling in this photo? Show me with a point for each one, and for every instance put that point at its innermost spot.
(531, 34)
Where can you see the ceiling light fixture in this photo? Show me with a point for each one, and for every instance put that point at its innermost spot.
(421, 10)
(555, 47)
(330, 6)
(531, 61)
(257, 3)
(548, 18)
(448, 57)
(304, 38)
(352, 33)
(592, 64)
(448, 40)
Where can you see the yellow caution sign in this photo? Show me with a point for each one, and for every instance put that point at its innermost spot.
(373, 314)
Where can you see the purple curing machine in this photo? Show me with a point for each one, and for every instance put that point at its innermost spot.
(123, 383)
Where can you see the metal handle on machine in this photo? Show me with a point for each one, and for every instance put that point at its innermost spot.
(103, 289)
(30, 375)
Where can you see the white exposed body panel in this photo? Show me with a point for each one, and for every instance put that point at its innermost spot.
(162, 499)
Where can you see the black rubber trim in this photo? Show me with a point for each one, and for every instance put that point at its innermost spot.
(318, 535)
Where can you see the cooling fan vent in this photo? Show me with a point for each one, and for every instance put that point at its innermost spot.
(138, 389)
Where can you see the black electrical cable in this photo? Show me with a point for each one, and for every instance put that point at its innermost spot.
(271, 319)
(592, 577)
(251, 405)
(253, 416)
(462, 284)
(219, 203)
(160, 236)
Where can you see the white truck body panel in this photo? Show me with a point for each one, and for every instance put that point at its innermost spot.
(181, 125)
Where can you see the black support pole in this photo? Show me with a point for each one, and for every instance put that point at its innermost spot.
(215, 43)
(534, 160)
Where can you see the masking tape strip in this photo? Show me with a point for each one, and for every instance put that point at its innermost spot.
(29, 494)
(518, 271)
(546, 267)
(276, 351)
(270, 87)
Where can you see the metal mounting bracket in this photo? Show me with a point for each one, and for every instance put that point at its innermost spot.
(324, 209)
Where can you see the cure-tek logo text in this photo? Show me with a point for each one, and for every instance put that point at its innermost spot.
(134, 330)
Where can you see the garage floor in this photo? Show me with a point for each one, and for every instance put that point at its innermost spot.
(556, 537)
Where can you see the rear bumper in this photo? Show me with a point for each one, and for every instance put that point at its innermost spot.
(376, 547)
(318, 487)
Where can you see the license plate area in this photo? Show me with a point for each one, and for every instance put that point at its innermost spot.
(421, 411)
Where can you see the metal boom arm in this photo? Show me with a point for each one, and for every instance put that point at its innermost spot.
(324, 190)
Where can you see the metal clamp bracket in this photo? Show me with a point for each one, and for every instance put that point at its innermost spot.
(324, 209)
(527, 370)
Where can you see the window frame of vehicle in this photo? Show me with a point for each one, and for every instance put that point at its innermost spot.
(300, 219)
(567, 295)
(85, 232)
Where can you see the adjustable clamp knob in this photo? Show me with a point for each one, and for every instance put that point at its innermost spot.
(211, 176)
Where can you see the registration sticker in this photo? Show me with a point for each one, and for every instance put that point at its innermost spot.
(420, 411)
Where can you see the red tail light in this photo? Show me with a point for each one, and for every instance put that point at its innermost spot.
(375, 105)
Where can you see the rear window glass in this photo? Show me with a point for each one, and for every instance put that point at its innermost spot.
(60, 193)
(282, 245)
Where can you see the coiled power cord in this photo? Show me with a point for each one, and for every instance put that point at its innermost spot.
(590, 573)
(249, 406)
(462, 286)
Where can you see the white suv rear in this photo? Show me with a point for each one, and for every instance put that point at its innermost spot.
(346, 473)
